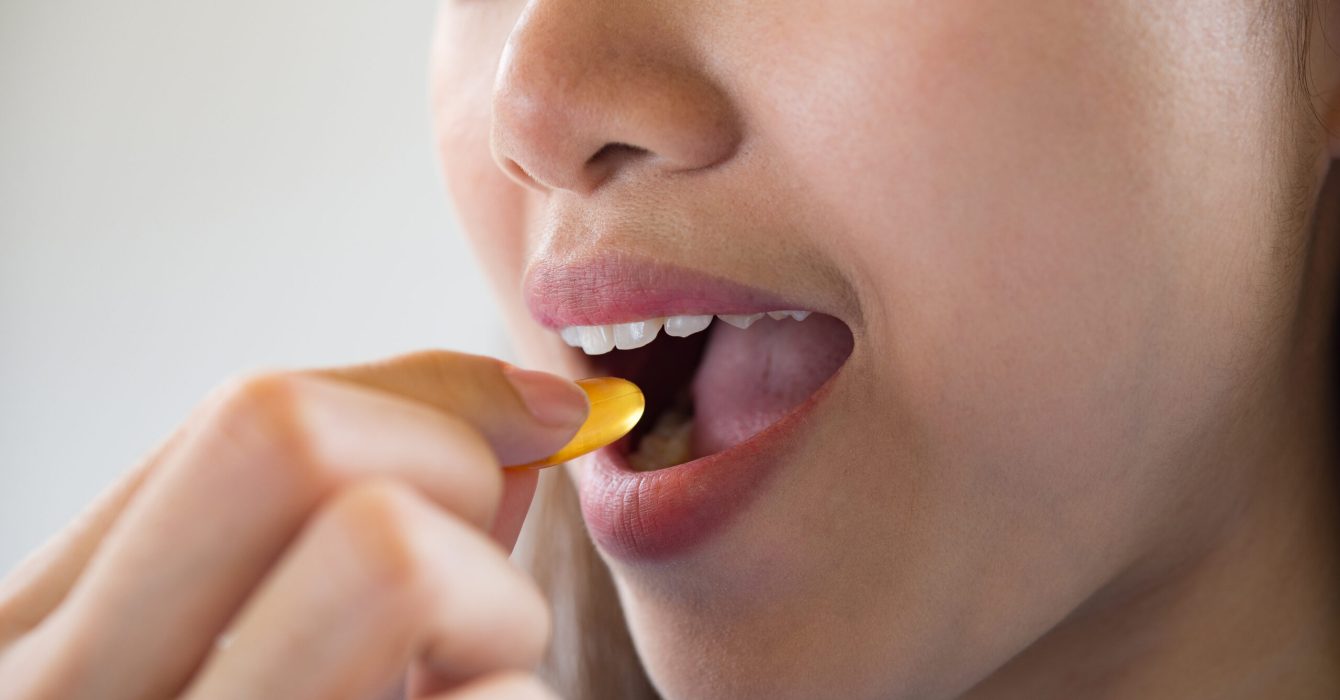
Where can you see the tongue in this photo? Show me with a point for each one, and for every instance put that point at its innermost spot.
(748, 379)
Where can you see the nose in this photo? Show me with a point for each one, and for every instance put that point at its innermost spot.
(589, 89)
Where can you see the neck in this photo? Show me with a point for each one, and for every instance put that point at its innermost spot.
(1255, 611)
(1256, 615)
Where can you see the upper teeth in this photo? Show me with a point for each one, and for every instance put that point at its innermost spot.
(597, 340)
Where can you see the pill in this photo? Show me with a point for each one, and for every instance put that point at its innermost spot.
(616, 406)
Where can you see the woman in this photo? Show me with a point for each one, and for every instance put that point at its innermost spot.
(1045, 410)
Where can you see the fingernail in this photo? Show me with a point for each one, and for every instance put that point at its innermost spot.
(552, 400)
(616, 406)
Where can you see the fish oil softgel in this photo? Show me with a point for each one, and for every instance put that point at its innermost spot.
(616, 406)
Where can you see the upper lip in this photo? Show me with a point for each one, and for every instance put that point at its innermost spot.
(611, 289)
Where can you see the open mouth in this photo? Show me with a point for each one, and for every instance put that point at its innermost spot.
(713, 382)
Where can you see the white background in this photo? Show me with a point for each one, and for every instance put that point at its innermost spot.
(190, 189)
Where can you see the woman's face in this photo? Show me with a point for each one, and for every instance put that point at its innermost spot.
(1057, 232)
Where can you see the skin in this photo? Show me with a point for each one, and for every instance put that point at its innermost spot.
(333, 527)
(1088, 261)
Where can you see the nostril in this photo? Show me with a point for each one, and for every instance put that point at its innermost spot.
(519, 174)
(613, 157)
(578, 83)
(612, 151)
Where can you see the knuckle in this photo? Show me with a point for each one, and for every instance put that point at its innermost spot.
(447, 360)
(247, 391)
(433, 357)
(443, 367)
(261, 415)
(376, 519)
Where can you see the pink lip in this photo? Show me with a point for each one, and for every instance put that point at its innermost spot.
(655, 515)
(619, 289)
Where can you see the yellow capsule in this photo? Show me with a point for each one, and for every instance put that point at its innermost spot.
(616, 406)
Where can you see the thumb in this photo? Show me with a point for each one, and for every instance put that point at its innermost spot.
(524, 415)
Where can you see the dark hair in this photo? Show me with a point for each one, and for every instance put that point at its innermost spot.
(1300, 45)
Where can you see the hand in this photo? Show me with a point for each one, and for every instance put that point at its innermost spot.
(333, 527)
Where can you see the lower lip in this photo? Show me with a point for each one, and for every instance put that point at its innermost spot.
(646, 516)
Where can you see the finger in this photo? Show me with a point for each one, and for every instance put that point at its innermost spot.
(505, 685)
(492, 389)
(518, 492)
(380, 577)
(490, 393)
(219, 510)
(41, 581)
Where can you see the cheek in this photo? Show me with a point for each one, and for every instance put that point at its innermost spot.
(491, 210)
(1048, 207)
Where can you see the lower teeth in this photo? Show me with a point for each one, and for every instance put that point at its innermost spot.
(667, 444)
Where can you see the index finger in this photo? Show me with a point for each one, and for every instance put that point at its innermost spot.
(214, 514)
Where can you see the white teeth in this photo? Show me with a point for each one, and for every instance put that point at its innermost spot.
(684, 326)
(741, 321)
(779, 315)
(636, 334)
(596, 340)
